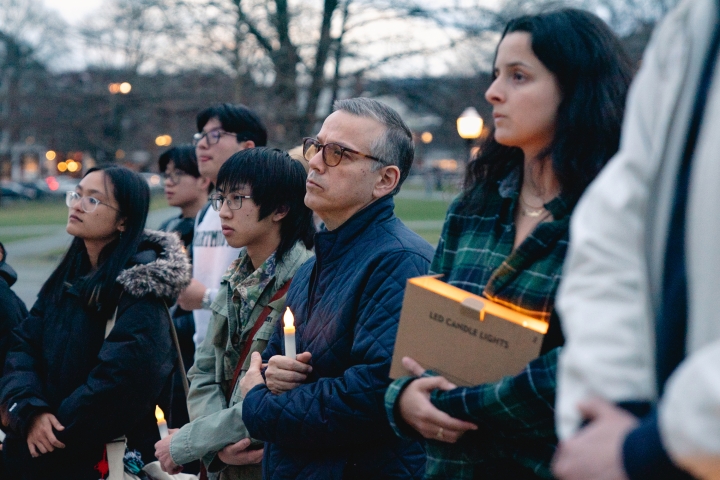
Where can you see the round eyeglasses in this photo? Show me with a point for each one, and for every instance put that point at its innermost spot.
(234, 201)
(88, 204)
(332, 153)
(174, 177)
(213, 136)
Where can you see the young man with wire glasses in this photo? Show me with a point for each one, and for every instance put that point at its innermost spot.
(223, 130)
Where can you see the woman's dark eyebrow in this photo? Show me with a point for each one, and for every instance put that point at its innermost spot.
(90, 192)
(517, 64)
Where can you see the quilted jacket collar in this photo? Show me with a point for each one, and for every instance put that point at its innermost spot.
(333, 244)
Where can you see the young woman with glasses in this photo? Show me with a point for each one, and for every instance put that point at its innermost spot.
(95, 355)
(558, 95)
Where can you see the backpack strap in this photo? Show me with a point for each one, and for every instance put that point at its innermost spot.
(248, 343)
(111, 323)
(180, 363)
(201, 214)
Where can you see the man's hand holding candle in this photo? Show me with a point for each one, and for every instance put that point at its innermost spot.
(162, 453)
(284, 373)
(253, 376)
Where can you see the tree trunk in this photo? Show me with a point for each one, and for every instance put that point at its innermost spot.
(285, 60)
(335, 85)
(318, 74)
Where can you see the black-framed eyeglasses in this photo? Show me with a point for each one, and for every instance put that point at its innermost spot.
(233, 200)
(175, 176)
(213, 136)
(88, 204)
(332, 153)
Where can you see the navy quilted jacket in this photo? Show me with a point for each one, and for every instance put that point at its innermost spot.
(346, 301)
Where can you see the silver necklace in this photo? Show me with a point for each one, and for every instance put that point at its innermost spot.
(528, 210)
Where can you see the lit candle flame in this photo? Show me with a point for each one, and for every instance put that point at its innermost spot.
(159, 415)
(288, 318)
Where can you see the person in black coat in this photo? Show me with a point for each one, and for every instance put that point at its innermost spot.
(95, 355)
(12, 309)
(12, 312)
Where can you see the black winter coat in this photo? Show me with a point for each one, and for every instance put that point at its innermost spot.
(12, 309)
(346, 301)
(99, 389)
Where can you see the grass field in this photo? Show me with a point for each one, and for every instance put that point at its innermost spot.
(425, 217)
(50, 212)
(408, 209)
(54, 212)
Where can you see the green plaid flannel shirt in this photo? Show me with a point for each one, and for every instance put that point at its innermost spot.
(515, 414)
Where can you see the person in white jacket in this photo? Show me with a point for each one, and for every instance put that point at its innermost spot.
(639, 378)
(223, 129)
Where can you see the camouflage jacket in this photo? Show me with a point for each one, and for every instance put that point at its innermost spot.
(241, 299)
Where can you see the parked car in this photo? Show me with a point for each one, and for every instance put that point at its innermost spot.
(16, 190)
(58, 185)
(39, 187)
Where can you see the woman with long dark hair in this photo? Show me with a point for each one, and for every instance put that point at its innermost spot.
(95, 355)
(560, 81)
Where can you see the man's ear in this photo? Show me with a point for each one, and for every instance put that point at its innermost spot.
(247, 144)
(389, 177)
(280, 213)
(203, 183)
(121, 225)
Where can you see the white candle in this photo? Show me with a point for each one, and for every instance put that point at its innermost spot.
(162, 424)
(289, 330)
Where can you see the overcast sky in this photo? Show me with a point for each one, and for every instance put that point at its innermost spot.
(73, 10)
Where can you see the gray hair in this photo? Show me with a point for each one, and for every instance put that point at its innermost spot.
(396, 146)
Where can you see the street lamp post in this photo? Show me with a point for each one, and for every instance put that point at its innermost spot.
(114, 129)
(469, 127)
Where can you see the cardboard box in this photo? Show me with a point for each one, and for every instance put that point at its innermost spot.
(468, 339)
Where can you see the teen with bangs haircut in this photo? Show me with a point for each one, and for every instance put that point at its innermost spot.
(185, 189)
(558, 96)
(95, 355)
(260, 200)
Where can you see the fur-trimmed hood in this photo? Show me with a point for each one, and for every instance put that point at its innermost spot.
(161, 267)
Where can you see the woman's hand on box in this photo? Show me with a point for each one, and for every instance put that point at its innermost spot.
(417, 410)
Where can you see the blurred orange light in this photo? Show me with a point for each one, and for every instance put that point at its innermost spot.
(163, 140)
(50, 155)
(125, 88)
(114, 88)
(62, 166)
(426, 137)
(73, 166)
